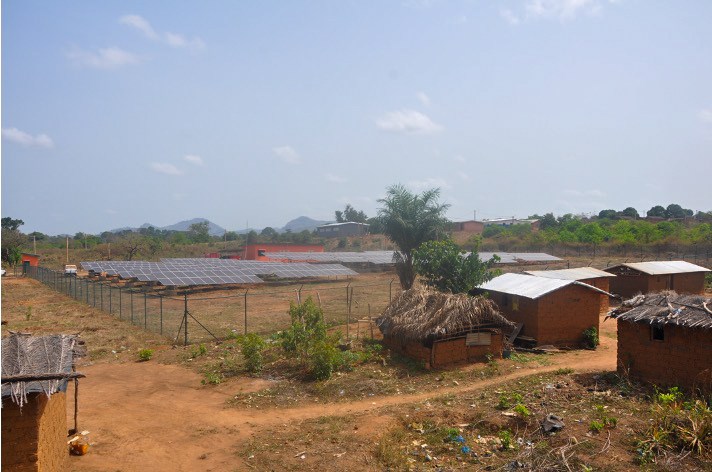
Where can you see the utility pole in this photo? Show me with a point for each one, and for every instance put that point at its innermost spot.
(34, 244)
(67, 249)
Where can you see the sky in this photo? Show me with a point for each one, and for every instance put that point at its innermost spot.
(119, 113)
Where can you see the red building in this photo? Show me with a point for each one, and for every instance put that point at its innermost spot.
(29, 260)
(260, 251)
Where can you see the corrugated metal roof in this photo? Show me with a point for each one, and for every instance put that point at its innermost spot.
(578, 273)
(663, 267)
(530, 286)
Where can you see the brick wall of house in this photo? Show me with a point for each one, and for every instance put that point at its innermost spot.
(628, 286)
(692, 283)
(452, 351)
(602, 283)
(34, 437)
(678, 360)
(565, 313)
(518, 310)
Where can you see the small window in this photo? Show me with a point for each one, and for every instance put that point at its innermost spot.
(657, 333)
(261, 252)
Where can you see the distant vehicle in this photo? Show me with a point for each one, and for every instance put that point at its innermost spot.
(70, 270)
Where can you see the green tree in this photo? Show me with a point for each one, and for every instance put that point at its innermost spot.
(231, 236)
(656, 211)
(591, 233)
(409, 220)
(199, 232)
(445, 267)
(12, 242)
(548, 221)
(610, 214)
(251, 237)
(269, 233)
(676, 211)
(350, 214)
(11, 223)
(630, 212)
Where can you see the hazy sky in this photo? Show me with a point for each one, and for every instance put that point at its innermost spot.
(119, 113)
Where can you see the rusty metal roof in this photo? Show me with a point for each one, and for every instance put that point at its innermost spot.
(663, 267)
(578, 273)
(530, 286)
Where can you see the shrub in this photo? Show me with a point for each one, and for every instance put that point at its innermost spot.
(145, 354)
(590, 336)
(252, 346)
(505, 437)
(521, 410)
(323, 359)
(212, 378)
(596, 426)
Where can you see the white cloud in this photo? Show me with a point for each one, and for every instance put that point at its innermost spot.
(508, 15)
(165, 168)
(287, 154)
(560, 9)
(335, 179)
(171, 39)
(108, 58)
(408, 121)
(26, 139)
(427, 184)
(424, 99)
(194, 160)
(463, 176)
(705, 115)
(460, 159)
(140, 24)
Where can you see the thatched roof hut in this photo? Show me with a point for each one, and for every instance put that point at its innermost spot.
(666, 339)
(666, 308)
(35, 372)
(419, 313)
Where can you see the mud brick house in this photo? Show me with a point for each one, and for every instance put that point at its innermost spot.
(666, 339)
(442, 329)
(588, 275)
(633, 278)
(552, 311)
(342, 230)
(35, 372)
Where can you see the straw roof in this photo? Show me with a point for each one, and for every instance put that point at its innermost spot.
(419, 313)
(33, 364)
(666, 308)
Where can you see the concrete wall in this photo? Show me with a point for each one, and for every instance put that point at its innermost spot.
(34, 438)
(444, 353)
(679, 360)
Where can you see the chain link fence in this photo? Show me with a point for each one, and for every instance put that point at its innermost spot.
(200, 317)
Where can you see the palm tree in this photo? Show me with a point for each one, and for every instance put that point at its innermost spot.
(409, 220)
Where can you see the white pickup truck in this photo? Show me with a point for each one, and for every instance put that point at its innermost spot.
(70, 270)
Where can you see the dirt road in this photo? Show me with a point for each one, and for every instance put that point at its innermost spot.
(149, 416)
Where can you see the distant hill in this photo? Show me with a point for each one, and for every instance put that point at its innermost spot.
(300, 224)
(213, 229)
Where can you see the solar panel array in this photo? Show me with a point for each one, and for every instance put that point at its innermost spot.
(386, 257)
(184, 272)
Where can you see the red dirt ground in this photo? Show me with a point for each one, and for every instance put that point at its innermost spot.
(150, 416)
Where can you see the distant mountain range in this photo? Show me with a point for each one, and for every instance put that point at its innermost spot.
(295, 226)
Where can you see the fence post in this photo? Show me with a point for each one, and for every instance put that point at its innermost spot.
(348, 311)
(131, 299)
(120, 302)
(185, 319)
(246, 309)
(110, 290)
(145, 310)
(101, 295)
(161, 304)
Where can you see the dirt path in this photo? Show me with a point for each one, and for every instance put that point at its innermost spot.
(149, 416)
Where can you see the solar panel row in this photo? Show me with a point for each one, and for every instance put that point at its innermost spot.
(183, 272)
(386, 257)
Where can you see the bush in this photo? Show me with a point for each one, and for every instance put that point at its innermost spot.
(505, 437)
(590, 336)
(145, 354)
(521, 410)
(324, 359)
(252, 346)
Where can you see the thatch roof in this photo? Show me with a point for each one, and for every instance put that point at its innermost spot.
(33, 364)
(690, 311)
(419, 313)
